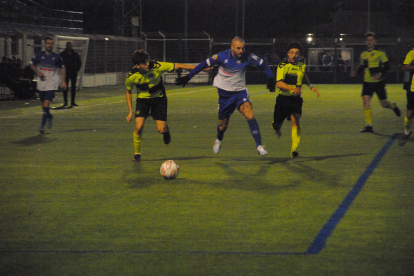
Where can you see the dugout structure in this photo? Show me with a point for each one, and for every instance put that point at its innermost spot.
(318, 59)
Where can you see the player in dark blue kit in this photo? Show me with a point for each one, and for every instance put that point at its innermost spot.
(231, 84)
(46, 65)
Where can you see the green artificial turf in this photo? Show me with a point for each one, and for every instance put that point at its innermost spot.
(73, 203)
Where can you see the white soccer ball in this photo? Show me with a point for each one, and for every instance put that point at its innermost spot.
(169, 169)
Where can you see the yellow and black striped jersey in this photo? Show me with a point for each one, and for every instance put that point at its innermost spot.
(373, 63)
(149, 85)
(291, 74)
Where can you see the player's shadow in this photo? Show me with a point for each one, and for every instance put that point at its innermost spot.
(311, 158)
(381, 135)
(34, 140)
(182, 158)
(250, 181)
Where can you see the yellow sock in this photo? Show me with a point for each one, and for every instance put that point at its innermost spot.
(368, 116)
(295, 138)
(137, 143)
(407, 124)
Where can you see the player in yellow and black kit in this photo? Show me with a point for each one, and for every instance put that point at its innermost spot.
(374, 63)
(151, 97)
(408, 66)
(290, 75)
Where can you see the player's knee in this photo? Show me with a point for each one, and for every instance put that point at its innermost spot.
(222, 128)
(276, 126)
(138, 130)
(295, 119)
(248, 114)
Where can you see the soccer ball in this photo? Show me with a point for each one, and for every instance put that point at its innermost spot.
(169, 169)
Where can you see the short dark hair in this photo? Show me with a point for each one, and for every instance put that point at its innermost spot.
(48, 38)
(368, 34)
(140, 57)
(295, 45)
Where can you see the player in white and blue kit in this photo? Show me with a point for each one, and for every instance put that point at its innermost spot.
(46, 65)
(231, 84)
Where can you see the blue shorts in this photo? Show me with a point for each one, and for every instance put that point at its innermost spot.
(229, 101)
(47, 95)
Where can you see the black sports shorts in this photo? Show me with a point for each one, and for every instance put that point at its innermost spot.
(286, 106)
(156, 107)
(410, 99)
(369, 88)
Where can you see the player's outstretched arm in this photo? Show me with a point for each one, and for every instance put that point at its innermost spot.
(197, 69)
(184, 66)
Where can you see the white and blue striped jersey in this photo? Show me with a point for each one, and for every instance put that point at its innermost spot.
(48, 65)
(232, 70)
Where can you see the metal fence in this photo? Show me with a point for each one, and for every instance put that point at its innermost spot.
(108, 54)
(177, 48)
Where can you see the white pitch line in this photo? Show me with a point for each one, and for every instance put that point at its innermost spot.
(84, 107)
(193, 91)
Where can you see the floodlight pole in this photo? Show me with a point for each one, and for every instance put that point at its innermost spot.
(243, 12)
(140, 16)
(369, 16)
(123, 17)
(237, 18)
(185, 30)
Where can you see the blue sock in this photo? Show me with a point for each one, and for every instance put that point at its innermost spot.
(46, 115)
(254, 129)
(220, 134)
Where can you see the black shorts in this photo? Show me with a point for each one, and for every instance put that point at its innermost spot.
(156, 107)
(286, 106)
(369, 88)
(410, 99)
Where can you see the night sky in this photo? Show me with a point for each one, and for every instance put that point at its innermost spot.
(263, 18)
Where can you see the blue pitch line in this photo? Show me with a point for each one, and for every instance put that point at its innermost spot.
(315, 248)
(320, 240)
